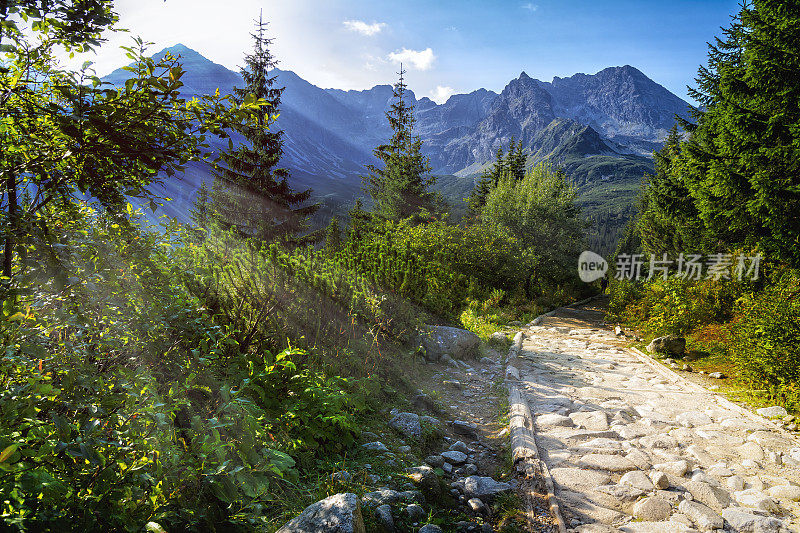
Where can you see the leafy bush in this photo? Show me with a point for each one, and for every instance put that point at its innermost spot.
(123, 399)
(766, 339)
(435, 265)
(673, 306)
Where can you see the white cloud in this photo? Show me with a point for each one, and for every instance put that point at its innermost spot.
(359, 26)
(419, 59)
(440, 94)
(530, 6)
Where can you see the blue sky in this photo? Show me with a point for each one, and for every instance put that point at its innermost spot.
(448, 46)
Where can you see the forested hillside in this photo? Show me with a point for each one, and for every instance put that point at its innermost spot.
(717, 222)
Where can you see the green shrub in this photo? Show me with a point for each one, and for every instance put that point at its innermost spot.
(673, 306)
(766, 339)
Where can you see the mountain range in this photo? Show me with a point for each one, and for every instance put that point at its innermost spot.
(601, 128)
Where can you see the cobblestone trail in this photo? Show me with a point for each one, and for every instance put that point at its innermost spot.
(630, 450)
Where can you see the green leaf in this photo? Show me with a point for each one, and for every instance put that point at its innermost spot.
(8, 452)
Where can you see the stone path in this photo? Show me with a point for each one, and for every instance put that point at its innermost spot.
(630, 450)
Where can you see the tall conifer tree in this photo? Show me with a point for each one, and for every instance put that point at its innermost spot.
(251, 194)
(401, 187)
(742, 162)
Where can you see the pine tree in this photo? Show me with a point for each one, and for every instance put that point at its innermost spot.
(250, 193)
(401, 187)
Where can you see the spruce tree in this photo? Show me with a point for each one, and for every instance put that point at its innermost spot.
(668, 221)
(511, 163)
(251, 194)
(742, 162)
(401, 187)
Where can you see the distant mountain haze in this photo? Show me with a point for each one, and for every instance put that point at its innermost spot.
(601, 128)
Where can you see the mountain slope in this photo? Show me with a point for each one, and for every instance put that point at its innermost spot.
(596, 127)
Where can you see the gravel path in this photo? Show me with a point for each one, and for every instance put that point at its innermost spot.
(631, 450)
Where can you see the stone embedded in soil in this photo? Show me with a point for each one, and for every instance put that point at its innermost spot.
(553, 419)
(577, 478)
(407, 424)
(375, 446)
(340, 513)
(785, 492)
(637, 479)
(484, 488)
(746, 521)
(776, 411)
(459, 446)
(712, 496)
(465, 428)
(676, 468)
(454, 457)
(384, 515)
(477, 506)
(755, 499)
(415, 512)
(664, 442)
(691, 419)
(660, 480)
(610, 463)
(652, 509)
(594, 420)
(622, 493)
(436, 461)
(703, 517)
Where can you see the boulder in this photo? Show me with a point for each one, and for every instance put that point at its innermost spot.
(444, 340)
(430, 528)
(340, 513)
(407, 424)
(385, 520)
(484, 488)
(465, 428)
(427, 481)
(668, 345)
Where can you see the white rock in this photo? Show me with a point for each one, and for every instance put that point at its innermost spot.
(703, 517)
(553, 419)
(745, 522)
(691, 419)
(755, 499)
(594, 420)
(752, 451)
(676, 468)
(637, 479)
(735, 483)
(776, 411)
(660, 480)
(652, 509)
(785, 492)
